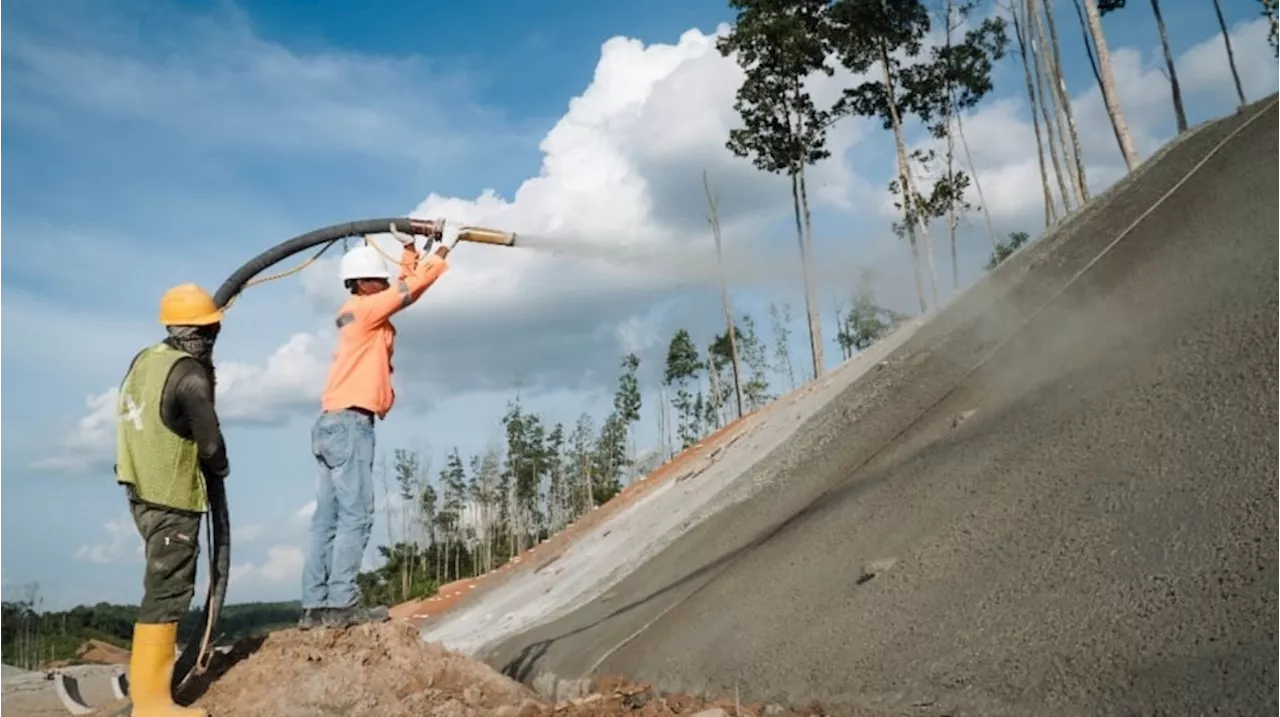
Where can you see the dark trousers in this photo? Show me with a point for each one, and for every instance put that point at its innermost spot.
(171, 539)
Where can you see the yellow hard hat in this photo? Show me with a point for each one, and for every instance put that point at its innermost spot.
(188, 305)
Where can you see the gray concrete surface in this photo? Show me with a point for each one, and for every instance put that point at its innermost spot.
(1085, 525)
(614, 548)
(30, 694)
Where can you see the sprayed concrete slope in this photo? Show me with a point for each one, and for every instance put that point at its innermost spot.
(609, 551)
(1034, 507)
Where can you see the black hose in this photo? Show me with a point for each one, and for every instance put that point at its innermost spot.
(259, 263)
(195, 656)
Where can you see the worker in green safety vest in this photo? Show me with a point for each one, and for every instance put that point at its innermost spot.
(168, 444)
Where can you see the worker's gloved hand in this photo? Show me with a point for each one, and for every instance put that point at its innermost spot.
(406, 240)
(448, 238)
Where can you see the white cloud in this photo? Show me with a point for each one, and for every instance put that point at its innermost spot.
(242, 534)
(291, 379)
(91, 443)
(282, 565)
(621, 179)
(637, 334)
(212, 79)
(123, 544)
(622, 172)
(306, 511)
(1002, 140)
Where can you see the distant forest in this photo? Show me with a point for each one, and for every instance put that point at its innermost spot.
(33, 639)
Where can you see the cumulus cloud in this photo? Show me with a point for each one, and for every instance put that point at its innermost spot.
(283, 564)
(291, 379)
(621, 176)
(619, 214)
(122, 544)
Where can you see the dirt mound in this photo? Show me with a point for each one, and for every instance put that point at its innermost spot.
(103, 653)
(388, 671)
(384, 670)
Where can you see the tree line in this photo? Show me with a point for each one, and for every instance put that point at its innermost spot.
(477, 512)
(33, 638)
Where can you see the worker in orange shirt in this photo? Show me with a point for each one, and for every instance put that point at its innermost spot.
(357, 391)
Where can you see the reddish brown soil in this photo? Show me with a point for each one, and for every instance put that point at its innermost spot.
(388, 671)
(94, 652)
(103, 653)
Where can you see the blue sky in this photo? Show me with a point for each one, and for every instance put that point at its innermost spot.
(153, 143)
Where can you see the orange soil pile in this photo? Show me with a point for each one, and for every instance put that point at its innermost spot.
(539, 556)
(102, 653)
(388, 671)
(94, 652)
(375, 670)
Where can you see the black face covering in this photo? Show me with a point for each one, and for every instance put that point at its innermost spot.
(195, 340)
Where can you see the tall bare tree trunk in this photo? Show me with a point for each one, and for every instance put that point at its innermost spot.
(663, 417)
(928, 249)
(1047, 106)
(714, 219)
(905, 232)
(952, 219)
(1040, 44)
(1093, 62)
(819, 363)
(1231, 55)
(905, 180)
(810, 300)
(1109, 94)
(713, 377)
(1179, 114)
(448, 545)
(1050, 211)
(977, 183)
(840, 328)
(1064, 97)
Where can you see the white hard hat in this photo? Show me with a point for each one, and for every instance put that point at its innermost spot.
(363, 262)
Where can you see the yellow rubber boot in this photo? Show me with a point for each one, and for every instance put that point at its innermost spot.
(151, 671)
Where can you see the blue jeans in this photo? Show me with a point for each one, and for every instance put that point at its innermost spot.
(342, 443)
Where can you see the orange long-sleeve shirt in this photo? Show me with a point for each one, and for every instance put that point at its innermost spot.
(360, 375)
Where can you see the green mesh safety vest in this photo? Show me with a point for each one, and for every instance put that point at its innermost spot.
(162, 467)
